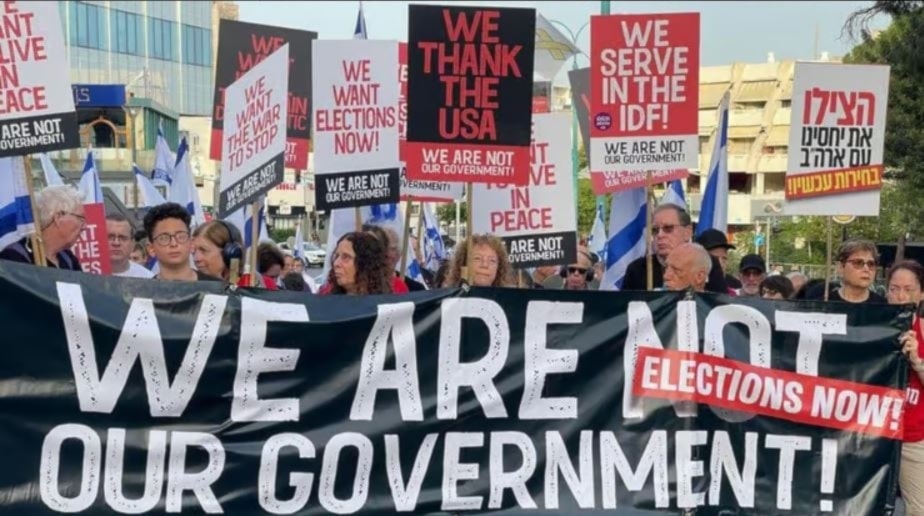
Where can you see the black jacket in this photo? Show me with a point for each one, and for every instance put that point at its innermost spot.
(637, 277)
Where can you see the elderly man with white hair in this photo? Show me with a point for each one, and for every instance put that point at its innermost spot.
(798, 281)
(61, 219)
(687, 266)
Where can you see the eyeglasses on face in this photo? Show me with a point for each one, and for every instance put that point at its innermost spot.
(164, 239)
(81, 218)
(666, 228)
(119, 239)
(859, 263)
(577, 270)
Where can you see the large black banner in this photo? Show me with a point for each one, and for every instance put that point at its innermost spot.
(137, 396)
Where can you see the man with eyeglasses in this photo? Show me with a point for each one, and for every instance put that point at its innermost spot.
(167, 228)
(121, 245)
(60, 219)
(671, 227)
(751, 271)
(857, 263)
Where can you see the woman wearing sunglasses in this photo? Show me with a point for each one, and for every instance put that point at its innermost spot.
(857, 263)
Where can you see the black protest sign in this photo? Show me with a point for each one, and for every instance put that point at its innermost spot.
(469, 100)
(140, 396)
(36, 102)
(241, 46)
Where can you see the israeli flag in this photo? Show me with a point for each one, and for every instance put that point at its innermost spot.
(360, 31)
(149, 194)
(90, 186)
(299, 250)
(626, 244)
(183, 188)
(163, 158)
(597, 241)
(243, 221)
(434, 250)
(674, 194)
(714, 211)
(52, 177)
(15, 208)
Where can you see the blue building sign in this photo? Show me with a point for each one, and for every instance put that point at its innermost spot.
(98, 95)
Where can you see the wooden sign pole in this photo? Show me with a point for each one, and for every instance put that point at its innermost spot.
(649, 265)
(254, 240)
(828, 261)
(38, 244)
(469, 271)
(406, 238)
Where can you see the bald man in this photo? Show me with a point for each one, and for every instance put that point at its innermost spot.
(687, 266)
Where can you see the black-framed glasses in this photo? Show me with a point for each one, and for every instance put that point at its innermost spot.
(164, 239)
(577, 270)
(667, 229)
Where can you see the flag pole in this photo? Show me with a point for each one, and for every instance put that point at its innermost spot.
(358, 219)
(407, 236)
(828, 261)
(38, 244)
(469, 271)
(254, 238)
(649, 266)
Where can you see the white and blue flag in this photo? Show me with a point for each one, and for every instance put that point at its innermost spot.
(183, 188)
(434, 251)
(149, 195)
(714, 212)
(626, 244)
(597, 241)
(52, 177)
(674, 194)
(163, 158)
(90, 186)
(15, 208)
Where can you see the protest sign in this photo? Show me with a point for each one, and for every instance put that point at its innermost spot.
(241, 46)
(92, 246)
(429, 191)
(356, 123)
(36, 102)
(537, 222)
(402, 99)
(644, 90)
(188, 397)
(836, 139)
(470, 80)
(254, 136)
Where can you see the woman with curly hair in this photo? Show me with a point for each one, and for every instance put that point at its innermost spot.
(491, 266)
(358, 266)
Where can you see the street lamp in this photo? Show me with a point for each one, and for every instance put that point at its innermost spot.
(133, 112)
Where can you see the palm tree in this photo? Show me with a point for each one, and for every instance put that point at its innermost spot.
(859, 20)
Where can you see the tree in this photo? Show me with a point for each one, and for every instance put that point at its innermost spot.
(898, 46)
(446, 212)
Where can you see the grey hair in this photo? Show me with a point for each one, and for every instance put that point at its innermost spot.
(56, 199)
(703, 258)
(682, 215)
(793, 275)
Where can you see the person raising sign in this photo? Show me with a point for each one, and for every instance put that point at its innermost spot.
(491, 265)
(358, 266)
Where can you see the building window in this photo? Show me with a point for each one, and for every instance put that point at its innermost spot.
(196, 46)
(128, 32)
(88, 26)
(163, 34)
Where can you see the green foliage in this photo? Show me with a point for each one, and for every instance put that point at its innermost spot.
(446, 212)
(281, 235)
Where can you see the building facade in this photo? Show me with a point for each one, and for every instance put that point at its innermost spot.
(160, 50)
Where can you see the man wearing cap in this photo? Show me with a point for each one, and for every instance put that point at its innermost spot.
(752, 272)
(716, 243)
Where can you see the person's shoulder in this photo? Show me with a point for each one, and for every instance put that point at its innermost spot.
(201, 276)
(16, 252)
(875, 297)
(398, 286)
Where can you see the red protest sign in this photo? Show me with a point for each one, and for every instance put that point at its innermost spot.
(92, 248)
(469, 93)
(812, 400)
(644, 112)
(402, 99)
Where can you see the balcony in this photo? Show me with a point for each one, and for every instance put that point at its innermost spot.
(772, 163)
(736, 162)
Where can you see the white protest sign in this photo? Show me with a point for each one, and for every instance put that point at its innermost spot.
(355, 135)
(36, 101)
(429, 191)
(537, 222)
(254, 136)
(836, 139)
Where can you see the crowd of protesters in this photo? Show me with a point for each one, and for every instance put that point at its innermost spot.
(365, 262)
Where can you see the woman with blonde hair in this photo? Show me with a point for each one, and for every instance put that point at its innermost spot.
(491, 265)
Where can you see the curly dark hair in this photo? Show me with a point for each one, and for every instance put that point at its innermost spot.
(170, 210)
(370, 263)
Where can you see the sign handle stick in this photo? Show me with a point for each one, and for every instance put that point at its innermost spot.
(649, 266)
(420, 216)
(234, 275)
(254, 239)
(469, 271)
(407, 237)
(38, 245)
(359, 219)
(828, 261)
